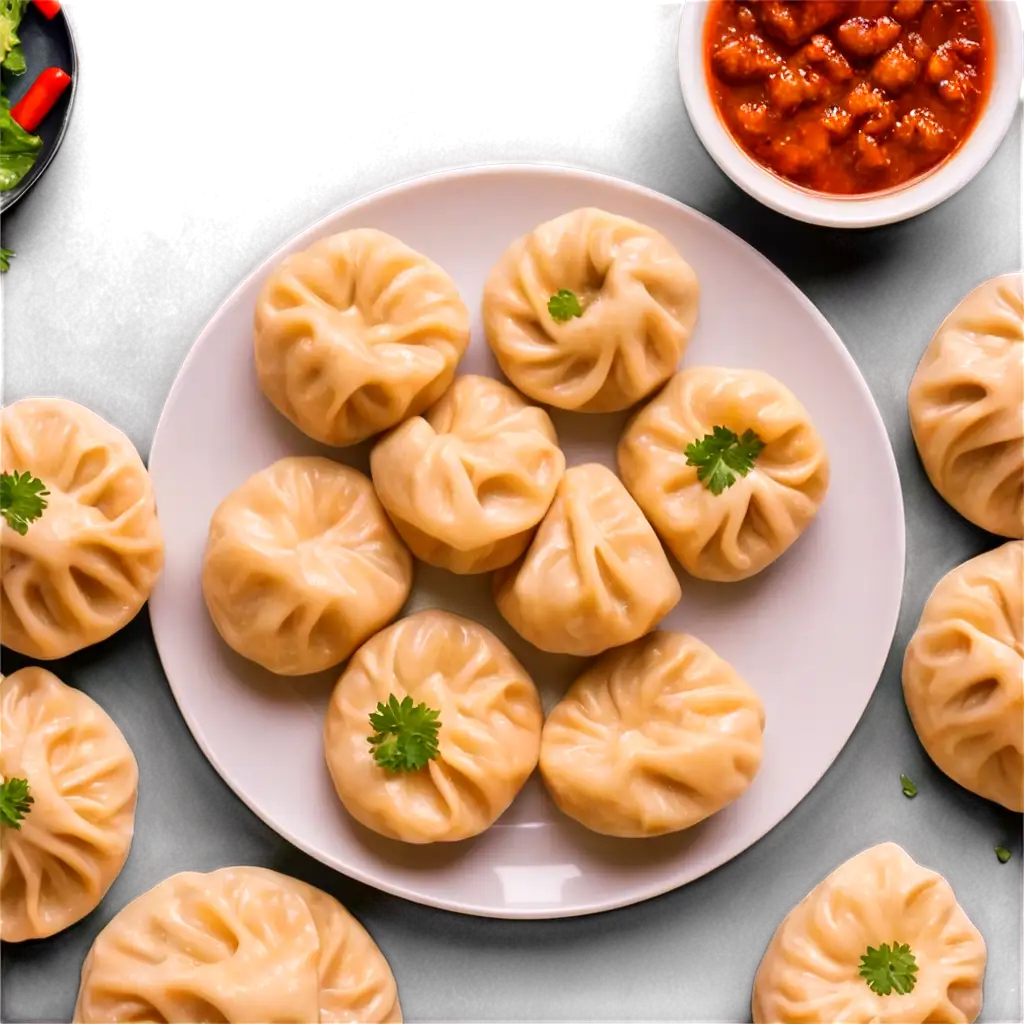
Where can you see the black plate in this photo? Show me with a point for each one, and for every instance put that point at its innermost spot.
(47, 44)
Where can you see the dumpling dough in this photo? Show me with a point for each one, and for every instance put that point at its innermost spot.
(963, 675)
(239, 944)
(356, 333)
(811, 970)
(737, 533)
(466, 484)
(488, 742)
(302, 565)
(83, 780)
(639, 300)
(594, 577)
(653, 738)
(967, 407)
(86, 566)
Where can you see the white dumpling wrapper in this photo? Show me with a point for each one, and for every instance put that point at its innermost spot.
(302, 565)
(595, 575)
(811, 969)
(356, 333)
(488, 741)
(653, 738)
(963, 675)
(967, 407)
(639, 298)
(737, 533)
(467, 483)
(239, 945)
(86, 566)
(83, 779)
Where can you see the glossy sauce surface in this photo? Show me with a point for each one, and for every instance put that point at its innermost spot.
(849, 96)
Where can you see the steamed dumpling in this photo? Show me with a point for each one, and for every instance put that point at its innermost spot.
(967, 407)
(595, 575)
(811, 970)
(963, 675)
(356, 333)
(638, 298)
(466, 484)
(488, 741)
(235, 945)
(653, 738)
(84, 568)
(738, 532)
(302, 565)
(83, 780)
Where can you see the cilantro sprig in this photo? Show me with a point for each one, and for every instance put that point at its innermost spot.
(5, 259)
(15, 802)
(22, 499)
(888, 970)
(721, 455)
(405, 736)
(564, 305)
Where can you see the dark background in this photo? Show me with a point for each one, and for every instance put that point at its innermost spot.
(160, 202)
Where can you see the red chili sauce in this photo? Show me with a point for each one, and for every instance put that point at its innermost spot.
(849, 96)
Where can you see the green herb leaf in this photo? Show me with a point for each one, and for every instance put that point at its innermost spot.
(22, 499)
(564, 305)
(405, 736)
(15, 802)
(5, 259)
(889, 970)
(1003, 854)
(909, 789)
(719, 456)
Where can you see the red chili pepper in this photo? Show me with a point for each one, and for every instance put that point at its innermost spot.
(48, 8)
(42, 94)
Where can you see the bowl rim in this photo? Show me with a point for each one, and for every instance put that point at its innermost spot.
(9, 199)
(873, 209)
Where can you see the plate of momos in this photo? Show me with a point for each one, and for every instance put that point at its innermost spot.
(516, 558)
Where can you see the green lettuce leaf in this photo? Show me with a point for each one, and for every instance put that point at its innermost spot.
(11, 57)
(18, 148)
(15, 61)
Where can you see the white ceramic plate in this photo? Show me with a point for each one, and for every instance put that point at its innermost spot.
(810, 634)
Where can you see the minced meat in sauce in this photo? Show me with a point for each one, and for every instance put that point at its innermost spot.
(849, 96)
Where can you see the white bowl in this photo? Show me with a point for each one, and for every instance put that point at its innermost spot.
(873, 208)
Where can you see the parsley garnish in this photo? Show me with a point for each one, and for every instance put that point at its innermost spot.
(22, 499)
(909, 789)
(721, 455)
(1003, 854)
(564, 305)
(14, 802)
(5, 259)
(889, 970)
(406, 735)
